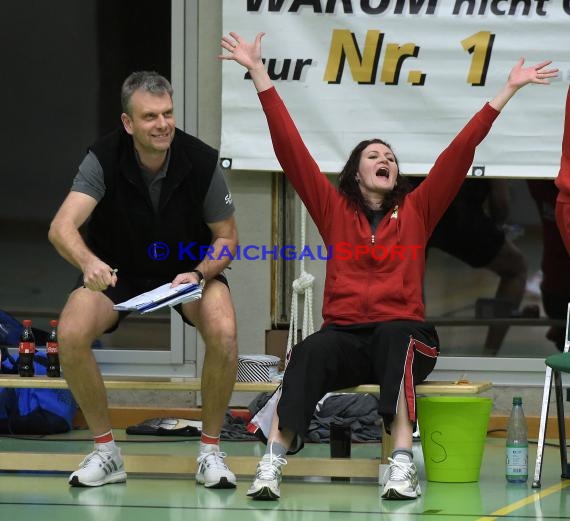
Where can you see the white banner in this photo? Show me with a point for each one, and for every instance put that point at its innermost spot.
(411, 72)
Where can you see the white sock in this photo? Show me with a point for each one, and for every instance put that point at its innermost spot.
(403, 455)
(110, 446)
(208, 447)
(276, 449)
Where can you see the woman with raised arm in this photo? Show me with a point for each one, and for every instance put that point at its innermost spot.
(374, 329)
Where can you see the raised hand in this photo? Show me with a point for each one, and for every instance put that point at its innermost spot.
(539, 73)
(247, 54)
(521, 76)
(240, 50)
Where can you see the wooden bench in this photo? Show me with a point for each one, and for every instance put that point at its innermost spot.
(241, 465)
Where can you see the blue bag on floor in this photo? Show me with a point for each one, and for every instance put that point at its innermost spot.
(29, 410)
(34, 411)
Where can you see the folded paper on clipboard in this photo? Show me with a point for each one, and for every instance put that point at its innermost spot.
(161, 297)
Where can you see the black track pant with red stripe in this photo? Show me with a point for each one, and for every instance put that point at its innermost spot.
(387, 353)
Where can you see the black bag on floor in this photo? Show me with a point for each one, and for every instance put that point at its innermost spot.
(167, 427)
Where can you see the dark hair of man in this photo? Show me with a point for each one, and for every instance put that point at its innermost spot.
(348, 186)
(148, 81)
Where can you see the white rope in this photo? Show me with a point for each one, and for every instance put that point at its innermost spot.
(303, 285)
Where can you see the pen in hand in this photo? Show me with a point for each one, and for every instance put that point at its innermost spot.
(112, 272)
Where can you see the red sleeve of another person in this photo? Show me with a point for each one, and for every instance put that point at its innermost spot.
(563, 181)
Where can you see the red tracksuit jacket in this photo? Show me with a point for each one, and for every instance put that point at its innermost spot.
(385, 281)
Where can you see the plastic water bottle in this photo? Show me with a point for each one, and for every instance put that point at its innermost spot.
(517, 444)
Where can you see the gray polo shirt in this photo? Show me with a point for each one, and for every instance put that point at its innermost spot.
(218, 204)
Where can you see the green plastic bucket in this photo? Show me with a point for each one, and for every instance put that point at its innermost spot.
(453, 432)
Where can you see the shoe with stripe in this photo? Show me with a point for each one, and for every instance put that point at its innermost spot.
(99, 468)
(213, 472)
(267, 478)
(401, 480)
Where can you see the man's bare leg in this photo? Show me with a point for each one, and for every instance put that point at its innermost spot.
(214, 317)
(86, 315)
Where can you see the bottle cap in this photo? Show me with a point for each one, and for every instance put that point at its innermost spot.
(53, 323)
(517, 400)
(26, 323)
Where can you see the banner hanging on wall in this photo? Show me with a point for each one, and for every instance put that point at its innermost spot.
(411, 72)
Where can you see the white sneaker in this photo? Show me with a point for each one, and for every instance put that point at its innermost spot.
(99, 468)
(213, 472)
(401, 480)
(267, 478)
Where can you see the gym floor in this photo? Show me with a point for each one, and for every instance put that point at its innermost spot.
(29, 495)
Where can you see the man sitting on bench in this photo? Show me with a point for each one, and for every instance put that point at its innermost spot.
(147, 187)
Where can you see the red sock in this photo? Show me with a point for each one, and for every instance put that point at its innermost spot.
(209, 440)
(104, 438)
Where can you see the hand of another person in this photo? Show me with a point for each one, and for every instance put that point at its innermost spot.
(243, 52)
(521, 76)
(539, 73)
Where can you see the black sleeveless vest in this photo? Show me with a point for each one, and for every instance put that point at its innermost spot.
(124, 226)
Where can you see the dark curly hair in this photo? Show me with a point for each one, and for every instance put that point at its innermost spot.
(348, 186)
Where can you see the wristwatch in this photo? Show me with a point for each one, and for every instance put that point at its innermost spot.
(201, 278)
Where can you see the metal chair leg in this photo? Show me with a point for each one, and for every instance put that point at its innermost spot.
(542, 428)
(561, 424)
